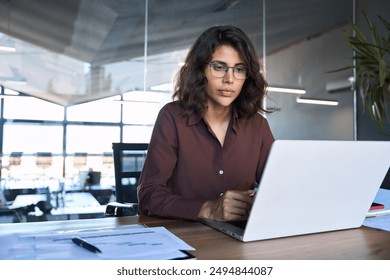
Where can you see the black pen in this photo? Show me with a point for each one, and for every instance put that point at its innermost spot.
(84, 244)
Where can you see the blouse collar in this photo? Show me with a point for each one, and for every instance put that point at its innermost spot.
(196, 118)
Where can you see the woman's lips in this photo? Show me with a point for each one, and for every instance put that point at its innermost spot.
(226, 92)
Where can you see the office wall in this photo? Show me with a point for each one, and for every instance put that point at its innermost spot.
(306, 64)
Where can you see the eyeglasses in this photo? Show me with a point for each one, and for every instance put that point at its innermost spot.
(219, 71)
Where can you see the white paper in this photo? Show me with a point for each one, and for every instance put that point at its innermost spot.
(127, 242)
(380, 219)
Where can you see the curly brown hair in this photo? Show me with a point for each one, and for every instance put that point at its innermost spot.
(191, 79)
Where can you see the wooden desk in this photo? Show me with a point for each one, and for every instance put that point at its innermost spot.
(362, 243)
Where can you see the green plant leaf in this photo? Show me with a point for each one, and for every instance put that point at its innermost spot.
(382, 72)
(372, 65)
(385, 23)
(374, 36)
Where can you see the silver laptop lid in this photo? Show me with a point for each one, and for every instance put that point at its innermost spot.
(316, 186)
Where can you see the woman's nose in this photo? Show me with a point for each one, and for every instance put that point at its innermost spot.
(229, 76)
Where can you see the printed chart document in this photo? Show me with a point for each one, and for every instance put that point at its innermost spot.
(380, 219)
(125, 242)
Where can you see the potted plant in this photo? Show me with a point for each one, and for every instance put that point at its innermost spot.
(372, 66)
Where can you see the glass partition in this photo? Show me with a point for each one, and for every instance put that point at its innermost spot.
(118, 64)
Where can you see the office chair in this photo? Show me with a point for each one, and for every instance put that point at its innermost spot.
(14, 162)
(43, 159)
(128, 163)
(15, 159)
(43, 162)
(10, 216)
(23, 213)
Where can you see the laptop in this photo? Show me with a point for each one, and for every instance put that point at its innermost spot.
(312, 186)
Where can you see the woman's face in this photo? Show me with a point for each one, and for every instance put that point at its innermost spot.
(221, 92)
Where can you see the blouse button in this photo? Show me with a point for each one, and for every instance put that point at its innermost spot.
(220, 172)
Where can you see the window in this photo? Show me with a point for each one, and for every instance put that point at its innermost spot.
(140, 112)
(91, 139)
(92, 111)
(137, 134)
(31, 108)
(32, 138)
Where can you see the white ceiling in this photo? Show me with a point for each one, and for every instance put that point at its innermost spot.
(74, 51)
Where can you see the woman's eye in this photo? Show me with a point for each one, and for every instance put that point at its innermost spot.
(219, 68)
(240, 69)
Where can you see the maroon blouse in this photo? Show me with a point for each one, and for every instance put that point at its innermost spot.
(186, 165)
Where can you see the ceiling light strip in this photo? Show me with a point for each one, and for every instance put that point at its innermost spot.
(317, 101)
(7, 49)
(287, 90)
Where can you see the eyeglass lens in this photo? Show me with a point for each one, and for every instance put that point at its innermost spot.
(220, 71)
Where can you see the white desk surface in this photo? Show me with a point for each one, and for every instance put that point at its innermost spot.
(75, 203)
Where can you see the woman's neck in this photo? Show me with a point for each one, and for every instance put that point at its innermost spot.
(218, 120)
(218, 115)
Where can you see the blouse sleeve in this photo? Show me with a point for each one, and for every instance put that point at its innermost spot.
(155, 197)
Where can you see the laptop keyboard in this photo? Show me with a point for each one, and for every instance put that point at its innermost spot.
(239, 224)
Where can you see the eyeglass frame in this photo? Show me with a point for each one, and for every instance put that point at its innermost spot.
(226, 68)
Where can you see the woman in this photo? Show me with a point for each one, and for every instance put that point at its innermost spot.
(210, 145)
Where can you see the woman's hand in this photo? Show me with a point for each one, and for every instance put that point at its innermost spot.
(231, 206)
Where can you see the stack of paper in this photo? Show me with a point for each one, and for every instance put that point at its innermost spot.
(125, 242)
(380, 219)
